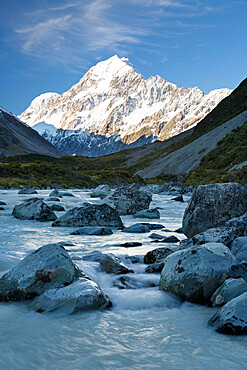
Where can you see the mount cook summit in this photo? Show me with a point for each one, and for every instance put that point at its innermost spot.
(113, 107)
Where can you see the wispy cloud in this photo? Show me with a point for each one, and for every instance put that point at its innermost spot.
(66, 33)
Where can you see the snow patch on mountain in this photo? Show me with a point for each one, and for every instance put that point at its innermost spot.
(113, 100)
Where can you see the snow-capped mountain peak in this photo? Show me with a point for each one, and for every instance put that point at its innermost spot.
(112, 99)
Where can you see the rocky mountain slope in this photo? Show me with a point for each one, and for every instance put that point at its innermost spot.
(113, 106)
(18, 138)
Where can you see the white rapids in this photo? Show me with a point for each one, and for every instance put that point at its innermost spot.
(145, 328)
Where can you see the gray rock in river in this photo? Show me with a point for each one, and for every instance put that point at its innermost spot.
(179, 198)
(136, 228)
(49, 267)
(55, 193)
(57, 208)
(27, 191)
(92, 230)
(34, 209)
(159, 254)
(194, 273)
(52, 199)
(83, 294)
(212, 205)
(100, 192)
(239, 248)
(147, 213)
(2, 203)
(143, 227)
(67, 194)
(90, 215)
(231, 288)
(112, 265)
(127, 200)
(225, 234)
(232, 317)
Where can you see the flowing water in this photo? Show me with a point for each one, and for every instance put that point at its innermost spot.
(145, 328)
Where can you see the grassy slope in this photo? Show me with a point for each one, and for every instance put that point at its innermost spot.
(214, 167)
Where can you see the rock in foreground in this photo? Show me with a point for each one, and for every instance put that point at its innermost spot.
(212, 205)
(34, 209)
(49, 267)
(232, 317)
(90, 215)
(81, 295)
(194, 273)
(231, 288)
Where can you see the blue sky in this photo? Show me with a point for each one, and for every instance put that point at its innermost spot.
(48, 45)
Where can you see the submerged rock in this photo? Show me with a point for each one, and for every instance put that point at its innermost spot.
(147, 213)
(130, 244)
(112, 265)
(27, 191)
(232, 317)
(34, 209)
(154, 267)
(2, 203)
(179, 198)
(83, 294)
(231, 288)
(128, 200)
(49, 267)
(90, 215)
(156, 236)
(194, 273)
(132, 282)
(92, 230)
(212, 205)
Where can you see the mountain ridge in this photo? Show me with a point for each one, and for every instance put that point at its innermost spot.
(111, 100)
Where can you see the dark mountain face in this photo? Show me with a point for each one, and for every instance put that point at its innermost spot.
(18, 138)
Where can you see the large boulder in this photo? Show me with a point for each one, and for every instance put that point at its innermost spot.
(147, 213)
(231, 288)
(100, 192)
(113, 265)
(212, 205)
(83, 294)
(194, 273)
(34, 209)
(128, 200)
(49, 267)
(90, 215)
(239, 248)
(226, 234)
(232, 317)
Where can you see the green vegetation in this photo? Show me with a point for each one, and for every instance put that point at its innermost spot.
(41, 171)
(215, 166)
